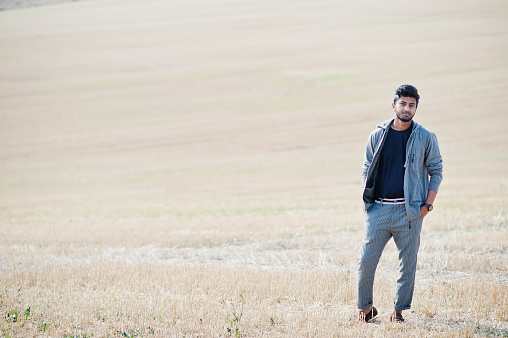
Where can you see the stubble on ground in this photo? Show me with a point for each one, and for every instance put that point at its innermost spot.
(193, 168)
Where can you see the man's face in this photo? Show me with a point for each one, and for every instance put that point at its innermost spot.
(405, 108)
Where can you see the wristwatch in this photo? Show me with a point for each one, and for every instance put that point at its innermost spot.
(428, 206)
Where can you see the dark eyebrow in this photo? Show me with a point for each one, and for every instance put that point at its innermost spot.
(410, 103)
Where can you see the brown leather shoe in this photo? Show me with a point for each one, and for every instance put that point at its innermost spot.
(396, 317)
(367, 317)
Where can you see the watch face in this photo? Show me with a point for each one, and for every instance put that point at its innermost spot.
(430, 207)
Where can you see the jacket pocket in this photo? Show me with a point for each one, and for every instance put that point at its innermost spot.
(417, 161)
(412, 163)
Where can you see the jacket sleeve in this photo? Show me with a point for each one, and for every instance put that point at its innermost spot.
(434, 163)
(367, 159)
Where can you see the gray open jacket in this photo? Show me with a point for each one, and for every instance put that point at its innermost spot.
(423, 167)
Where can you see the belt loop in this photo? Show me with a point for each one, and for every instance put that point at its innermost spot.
(382, 201)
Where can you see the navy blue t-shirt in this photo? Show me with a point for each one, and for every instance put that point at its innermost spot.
(390, 175)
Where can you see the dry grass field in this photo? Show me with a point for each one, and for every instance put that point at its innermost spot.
(192, 168)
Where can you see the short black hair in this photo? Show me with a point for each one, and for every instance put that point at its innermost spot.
(408, 91)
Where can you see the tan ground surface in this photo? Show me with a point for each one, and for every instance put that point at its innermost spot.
(193, 167)
(21, 4)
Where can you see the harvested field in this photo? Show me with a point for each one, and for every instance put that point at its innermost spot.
(193, 168)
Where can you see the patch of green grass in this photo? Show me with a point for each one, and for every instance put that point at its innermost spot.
(45, 326)
(234, 317)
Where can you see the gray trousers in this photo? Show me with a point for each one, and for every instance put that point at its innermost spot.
(382, 222)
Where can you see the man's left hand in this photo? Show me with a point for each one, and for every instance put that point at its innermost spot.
(424, 211)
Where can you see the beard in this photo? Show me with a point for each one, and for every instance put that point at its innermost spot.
(404, 118)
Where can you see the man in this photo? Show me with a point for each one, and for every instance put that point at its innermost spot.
(402, 171)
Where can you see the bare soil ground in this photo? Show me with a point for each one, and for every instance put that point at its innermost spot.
(192, 168)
